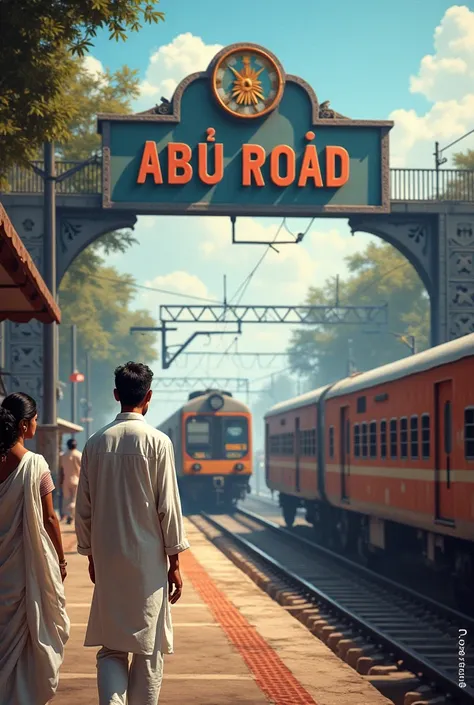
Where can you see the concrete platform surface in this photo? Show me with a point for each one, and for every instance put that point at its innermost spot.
(233, 644)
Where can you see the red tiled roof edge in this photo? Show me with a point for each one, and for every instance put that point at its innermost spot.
(26, 275)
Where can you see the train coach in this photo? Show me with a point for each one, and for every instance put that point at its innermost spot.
(212, 439)
(384, 460)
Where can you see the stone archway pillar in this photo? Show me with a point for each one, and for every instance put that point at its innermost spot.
(440, 246)
(24, 341)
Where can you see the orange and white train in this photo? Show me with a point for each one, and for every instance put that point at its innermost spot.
(384, 460)
(212, 439)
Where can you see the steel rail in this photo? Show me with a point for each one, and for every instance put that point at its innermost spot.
(403, 590)
(412, 660)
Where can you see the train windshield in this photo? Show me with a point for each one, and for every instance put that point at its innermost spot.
(217, 437)
(235, 437)
(198, 437)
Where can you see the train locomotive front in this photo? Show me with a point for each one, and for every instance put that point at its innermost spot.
(212, 439)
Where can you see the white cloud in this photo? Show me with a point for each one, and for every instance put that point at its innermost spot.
(448, 74)
(446, 79)
(93, 66)
(171, 63)
(180, 282)
(284, 276)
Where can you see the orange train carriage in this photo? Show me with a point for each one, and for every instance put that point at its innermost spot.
(384, 460)
(212, 438)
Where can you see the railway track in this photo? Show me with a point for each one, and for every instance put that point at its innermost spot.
(413, 631)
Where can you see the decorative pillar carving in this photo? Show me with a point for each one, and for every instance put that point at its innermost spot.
(460, 275)
(24, 341)
(77, 228)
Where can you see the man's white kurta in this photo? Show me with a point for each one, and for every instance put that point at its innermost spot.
(128, 517)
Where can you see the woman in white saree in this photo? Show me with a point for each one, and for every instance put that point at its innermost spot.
(34, 626)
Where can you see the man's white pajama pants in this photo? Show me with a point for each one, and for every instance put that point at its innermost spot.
(122, 684)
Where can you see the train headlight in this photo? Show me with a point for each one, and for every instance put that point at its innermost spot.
(239, 467)
(196, 467)
(216, 402)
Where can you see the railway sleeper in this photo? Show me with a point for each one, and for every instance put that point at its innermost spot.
(365, 663)
(423, 695)
(357, 651)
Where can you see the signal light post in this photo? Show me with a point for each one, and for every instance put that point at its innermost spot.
(75, 375)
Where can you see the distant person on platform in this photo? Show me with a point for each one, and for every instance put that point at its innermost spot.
(70, 462)
(34, 626)
(128, 520)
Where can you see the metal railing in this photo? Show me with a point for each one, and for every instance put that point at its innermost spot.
(87, 181)
(425, 185)
(431, 185)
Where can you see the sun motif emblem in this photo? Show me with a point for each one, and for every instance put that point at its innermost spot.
(247, 87)
(247, 81)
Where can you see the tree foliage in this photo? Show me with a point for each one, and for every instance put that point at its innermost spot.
(93, 295)
(378, 275)
(460, 186)
(39, 40)
(93, 93)
(97, 299)
(464, 160)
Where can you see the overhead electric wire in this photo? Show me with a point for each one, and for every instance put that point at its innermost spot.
(382, 276)
(154, 288)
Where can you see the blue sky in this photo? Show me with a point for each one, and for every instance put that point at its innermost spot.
(410, 61)
(358, 55)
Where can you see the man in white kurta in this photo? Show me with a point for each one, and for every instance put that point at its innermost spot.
(128, 521)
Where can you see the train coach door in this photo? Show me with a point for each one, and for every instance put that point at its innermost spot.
(297, 454)
(444, 496)
(345, 450)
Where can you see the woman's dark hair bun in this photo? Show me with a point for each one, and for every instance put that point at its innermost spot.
(15, 407)
(8, 430)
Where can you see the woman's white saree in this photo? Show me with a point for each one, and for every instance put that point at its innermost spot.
(34, 626)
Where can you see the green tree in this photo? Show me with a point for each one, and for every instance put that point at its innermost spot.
(97, 299)
(39, 40)
(92, 295)
(378, 275)
(464, 160)
(111, 92)
(460, 187)
(93, 94)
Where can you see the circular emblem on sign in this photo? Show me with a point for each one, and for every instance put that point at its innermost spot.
(247, 82)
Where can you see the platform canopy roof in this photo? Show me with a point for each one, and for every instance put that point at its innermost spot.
(23, 293)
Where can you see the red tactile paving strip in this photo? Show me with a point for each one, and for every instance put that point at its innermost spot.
(272, 676)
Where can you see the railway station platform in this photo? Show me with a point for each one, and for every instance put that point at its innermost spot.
(233, 643)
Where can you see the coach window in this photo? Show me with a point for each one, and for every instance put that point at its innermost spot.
(356, 440)
(383, 439)
(425, 436)
(469, 432)
(414, 437)
(331, 441)
(364, 440)
(403, 438)
(373, 439)
(393, 439)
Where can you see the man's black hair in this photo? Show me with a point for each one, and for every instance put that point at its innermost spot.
(72, 444)
(132, 382)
